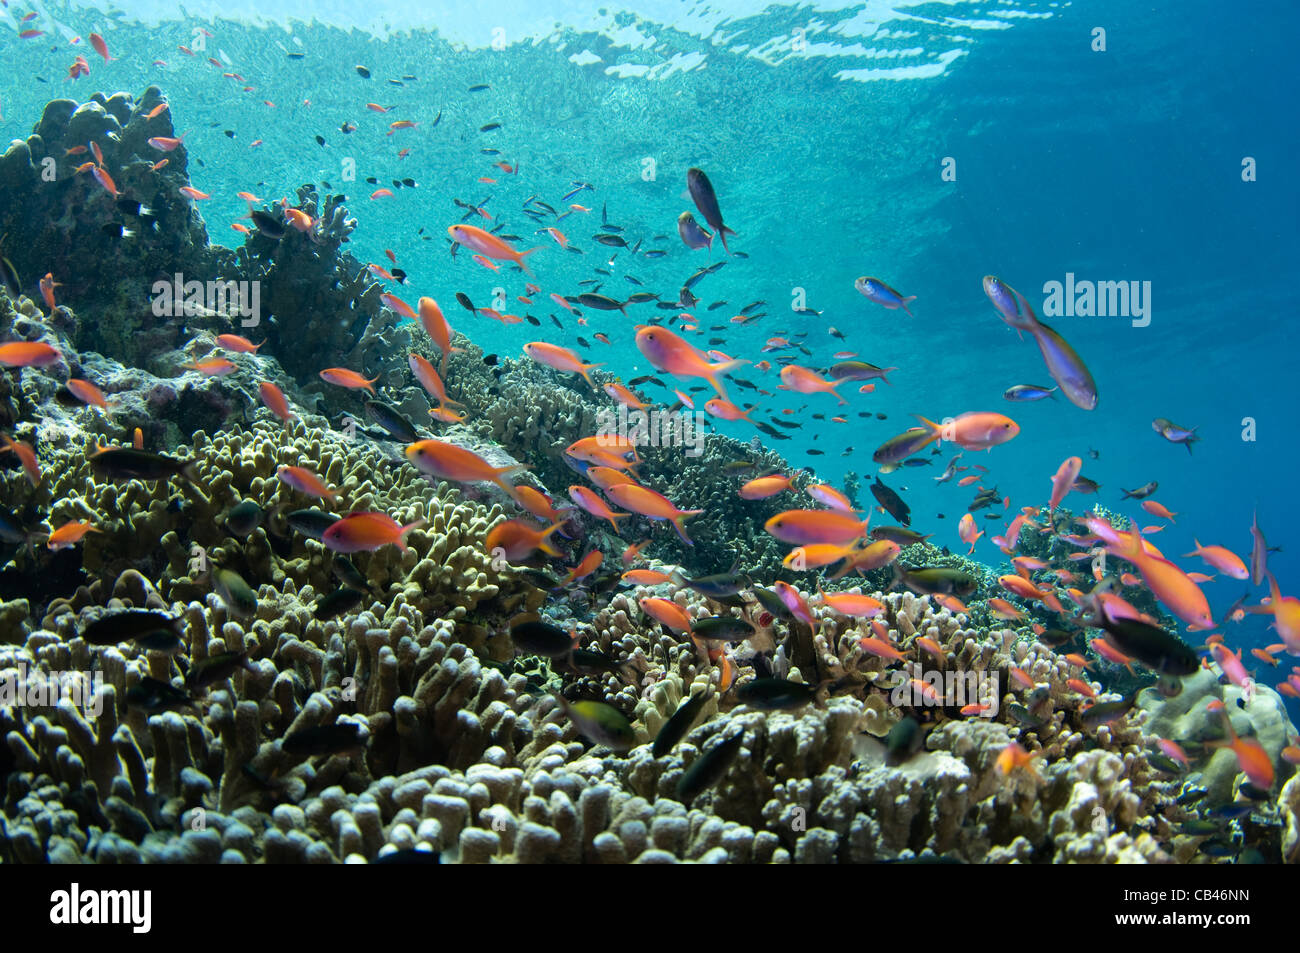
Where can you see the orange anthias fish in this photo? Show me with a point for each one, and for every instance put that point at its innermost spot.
(346, 378)
(430, 381)
(804, 381)
(365, 532)
(304, 481)
(673, 354)
(800, 527)
(593, 504)
(437, 327)
(233, 342)
(1012, 757)
(517, 540)
(974, 430)
(1222, 559)
(275, 400)
(69, 534)
(1168, 583)
(29, 354)
(852, 604)
(1252, 759)
(87, 393)
(1063, 480)
(648, 503)
(48, 284)
(760, 488)
(537, 503)
(605, 477)
(666, 612)
(447, 461)
(589, 564)
(216, 367)
(646, 577)
(560, 358)
(1285, 611)
(485, 243)
(26, 456)
(624, 396)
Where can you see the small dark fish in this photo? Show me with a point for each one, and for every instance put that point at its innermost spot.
(1190, 796)
(126, 624)
(937, 580)
(152, 695)
(363, 72)
(709, 768)
(1103, 713)
(771, 602)
(214, 668)
(320, 140)
(491, 360)
(337, 738)
(892, 502)
(1024, 392)
(678, 724)
(9, 275)
(346, 572)
(600, 302)
(463, 300)
(312, 522)
(238, 596)
(242, 518)
(1253, 792)
(1084, 485)
(899, 534)
(641, 297)
(532, 320)
(117, 230)
(557, 322)
(409, 855)
(589, 660)
(160, 640)
(905, 739)
(615, 241)
(337, 602)
(478, 88)
(1151, 645)
(391, 419)
(775, 694)
(1056, 637)
(133, 208)
(540, 638)
(267, 224)
(706, 201)
(1174, 433)
(1200, 827)
(296, 56)
(1142, 492)
(723, 628)
(489, 127)
(1219, 848)
(1231, 812)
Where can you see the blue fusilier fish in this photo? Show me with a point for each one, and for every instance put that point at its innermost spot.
(1023, 392)
(706, 201)
(1015, 310)
(1174, 433)
(692, 235)
(1063, 362)
(879, 292)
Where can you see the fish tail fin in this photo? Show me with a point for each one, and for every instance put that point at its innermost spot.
(886, 371)
(936, 430)
(519, 259)
(584, 368)
(903, 305)
(401, 533)
(830, 389)
(681, 517)
(614, 518)
(723, 367)
(723, 232)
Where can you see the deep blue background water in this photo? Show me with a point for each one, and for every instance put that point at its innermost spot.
(1115, 165)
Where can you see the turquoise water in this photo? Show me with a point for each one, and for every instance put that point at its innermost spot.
(827, 149)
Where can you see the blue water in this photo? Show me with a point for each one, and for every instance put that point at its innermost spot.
(1116, 165)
